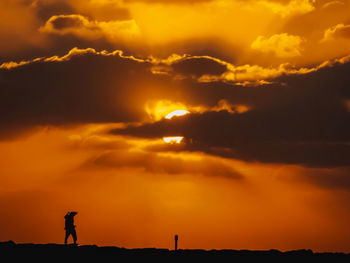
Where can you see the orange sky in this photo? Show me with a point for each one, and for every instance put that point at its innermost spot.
(261, 90)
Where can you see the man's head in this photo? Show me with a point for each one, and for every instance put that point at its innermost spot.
(71, 213)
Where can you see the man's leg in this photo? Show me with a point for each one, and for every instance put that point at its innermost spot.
(66, 237)
(74, 235)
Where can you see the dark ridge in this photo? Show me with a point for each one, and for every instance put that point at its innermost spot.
(91, 253)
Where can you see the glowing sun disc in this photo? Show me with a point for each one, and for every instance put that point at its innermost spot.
(174, 140)
(177, 113)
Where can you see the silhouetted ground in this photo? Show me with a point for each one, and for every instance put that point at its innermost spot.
(13, 252)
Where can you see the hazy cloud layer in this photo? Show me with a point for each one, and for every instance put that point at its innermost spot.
(157, 164)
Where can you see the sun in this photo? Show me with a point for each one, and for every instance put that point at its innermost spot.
(176, 139)
(173, 140)
(176, 113)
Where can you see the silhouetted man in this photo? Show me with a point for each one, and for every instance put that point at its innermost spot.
(70, 227)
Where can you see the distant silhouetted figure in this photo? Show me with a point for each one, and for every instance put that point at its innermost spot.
(70, 227)
(176, 239)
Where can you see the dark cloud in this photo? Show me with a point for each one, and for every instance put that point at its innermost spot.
(199, 67)
(306, 123)
(88, 87)
(252, 138)
(300, 119)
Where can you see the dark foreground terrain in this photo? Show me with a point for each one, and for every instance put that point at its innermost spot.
(13, 252)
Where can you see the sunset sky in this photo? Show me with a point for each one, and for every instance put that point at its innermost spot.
(226, 122)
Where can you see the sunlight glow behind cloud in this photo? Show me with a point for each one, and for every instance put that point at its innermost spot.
(160, 109)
